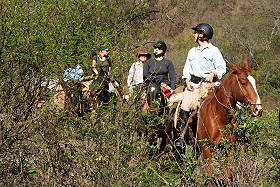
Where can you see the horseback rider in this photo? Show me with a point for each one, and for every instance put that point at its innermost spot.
(101, 67)
(135, 76)
(159, 71)
(101, 63)
(203, 62)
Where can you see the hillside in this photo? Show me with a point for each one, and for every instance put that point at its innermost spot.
(109, 146)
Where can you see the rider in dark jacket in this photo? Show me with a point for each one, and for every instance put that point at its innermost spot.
(159, 70)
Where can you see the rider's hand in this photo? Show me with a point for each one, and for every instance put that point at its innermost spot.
(210, 77)
(190, 86)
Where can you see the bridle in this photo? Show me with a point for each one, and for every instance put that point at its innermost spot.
(227, 107)
(243, 93)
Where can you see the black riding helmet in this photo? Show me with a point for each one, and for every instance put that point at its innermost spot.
(205, 28)
(161, 45)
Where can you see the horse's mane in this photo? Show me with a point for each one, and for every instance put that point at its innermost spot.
(226, 76)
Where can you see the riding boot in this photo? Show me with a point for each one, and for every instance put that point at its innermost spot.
(183, 117)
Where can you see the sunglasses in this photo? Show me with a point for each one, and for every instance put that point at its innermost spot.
(159, 48)
(143, 55)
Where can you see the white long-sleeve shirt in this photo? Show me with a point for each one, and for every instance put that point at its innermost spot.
(201, 62)
(135, 75)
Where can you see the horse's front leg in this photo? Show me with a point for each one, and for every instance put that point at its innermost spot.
(163, 142)
(232, 138)
(207, 155)
(229, 168)
(207, 151)
(166, 137)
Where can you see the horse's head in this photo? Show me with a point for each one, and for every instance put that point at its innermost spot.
(244, 88)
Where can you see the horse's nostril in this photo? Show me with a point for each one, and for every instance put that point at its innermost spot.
(258, 111)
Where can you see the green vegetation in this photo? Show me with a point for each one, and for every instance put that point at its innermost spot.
(108, 147)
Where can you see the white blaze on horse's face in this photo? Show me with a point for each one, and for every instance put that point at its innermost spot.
(257, 108)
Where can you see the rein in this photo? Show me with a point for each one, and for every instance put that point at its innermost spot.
(227, 107)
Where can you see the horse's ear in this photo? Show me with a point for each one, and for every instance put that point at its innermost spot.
(236, 68)
(247, 67)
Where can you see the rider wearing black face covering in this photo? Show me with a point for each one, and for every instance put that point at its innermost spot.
(159, 69)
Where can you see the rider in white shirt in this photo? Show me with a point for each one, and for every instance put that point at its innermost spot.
(135, 76)
(203, 62)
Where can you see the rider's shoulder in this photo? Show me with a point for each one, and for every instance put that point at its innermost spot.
(193, 49)
(149, 61)
(168, 60)
(213, 47)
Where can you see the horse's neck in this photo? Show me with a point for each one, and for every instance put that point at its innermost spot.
(224, 96)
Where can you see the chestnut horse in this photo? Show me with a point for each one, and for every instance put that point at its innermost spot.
(237, 86)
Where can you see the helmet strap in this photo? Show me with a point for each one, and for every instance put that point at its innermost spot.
(201, 39)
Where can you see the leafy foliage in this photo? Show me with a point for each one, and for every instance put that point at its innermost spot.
(110, 146)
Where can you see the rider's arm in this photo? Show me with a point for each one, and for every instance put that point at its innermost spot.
(110, 66)
(146, 73)
(130, 75)
(94, 67)
(187, 69)
(172, 75)
(186, 73)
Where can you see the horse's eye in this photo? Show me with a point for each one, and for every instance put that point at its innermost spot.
(244, 83)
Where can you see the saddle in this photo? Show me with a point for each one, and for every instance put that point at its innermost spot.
(201, 93)
(195, 102)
